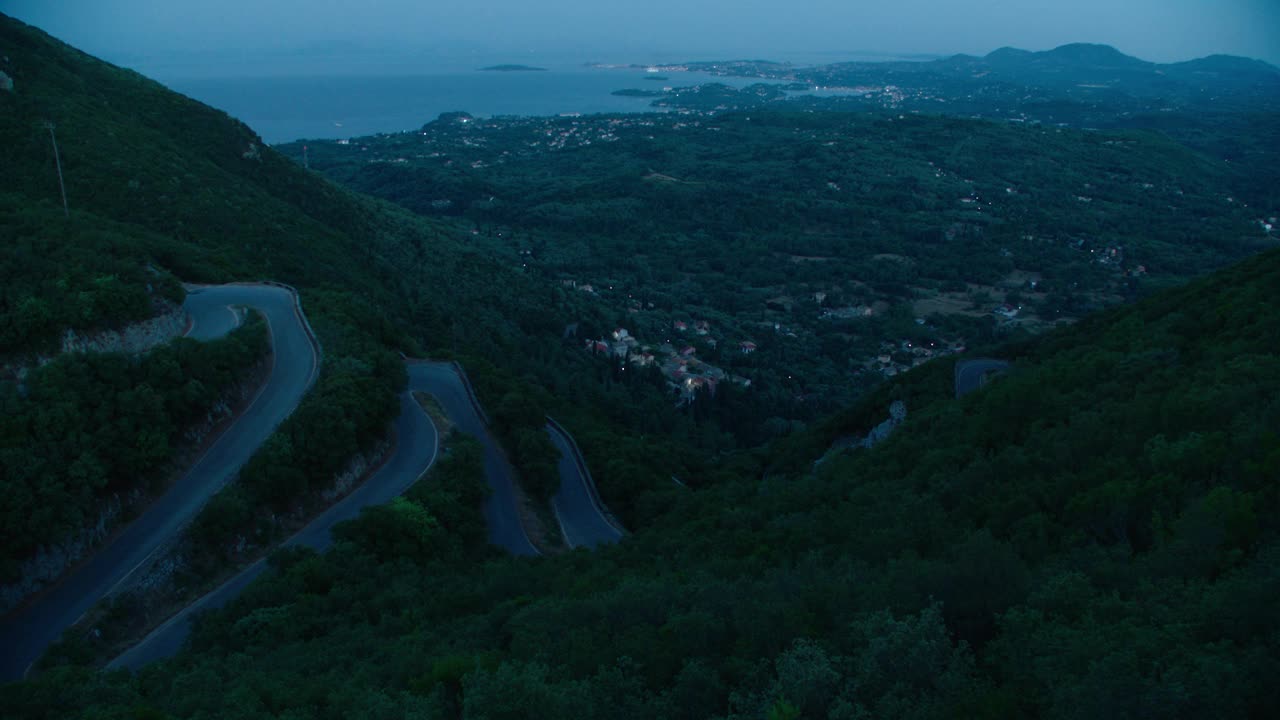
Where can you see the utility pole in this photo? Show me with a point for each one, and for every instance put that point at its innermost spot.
(306, 161)
(58, 161)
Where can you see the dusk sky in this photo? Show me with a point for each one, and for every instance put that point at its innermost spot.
(305, 36)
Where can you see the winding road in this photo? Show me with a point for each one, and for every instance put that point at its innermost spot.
(501, 510)
(28, 630)
(971, 374)
(583, 519)
(416, 445)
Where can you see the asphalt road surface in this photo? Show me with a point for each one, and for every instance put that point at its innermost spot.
(27, 631)
(583, 521)
(970, 373)
(501, 510)
(415, 451)
(416, 446)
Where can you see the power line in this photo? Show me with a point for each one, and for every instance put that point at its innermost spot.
(58, 161)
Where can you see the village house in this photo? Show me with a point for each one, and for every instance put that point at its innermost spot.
(747, 347)
(1007, 311)
(690, 385)
(848, 313)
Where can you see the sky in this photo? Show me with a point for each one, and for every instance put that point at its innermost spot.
(251, 37)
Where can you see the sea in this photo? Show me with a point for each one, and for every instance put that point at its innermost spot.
(283, 109)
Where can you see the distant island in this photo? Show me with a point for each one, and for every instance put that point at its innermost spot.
(656, 77)
(635, 92)
(513, 68)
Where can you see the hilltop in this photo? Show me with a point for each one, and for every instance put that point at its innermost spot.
(1069, 70)
(1078, 85)
(1223, 106)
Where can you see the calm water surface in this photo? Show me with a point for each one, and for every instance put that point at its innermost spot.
(291, 108)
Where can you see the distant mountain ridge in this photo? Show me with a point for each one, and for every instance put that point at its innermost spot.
(1087, 60)
(1090, 53)
(1087, 57)
(1227, 63)
(1225, 106)
(1082, 59)
(1095, 56)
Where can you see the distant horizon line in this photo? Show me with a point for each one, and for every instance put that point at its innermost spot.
(340, 64)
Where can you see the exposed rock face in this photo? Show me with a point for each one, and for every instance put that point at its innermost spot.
(51, 561)
(136, 338)
(157, 575)
(133, 339)
(6, 82)
(897, 413)
(356, 469)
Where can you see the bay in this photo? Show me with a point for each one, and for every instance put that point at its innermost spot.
(282, 109)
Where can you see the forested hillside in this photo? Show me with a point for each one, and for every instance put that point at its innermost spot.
(162, 189)
(90, 429)
(1081, 85)
(1092, 535)
(844, 247)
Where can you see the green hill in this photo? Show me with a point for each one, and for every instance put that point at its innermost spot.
(213, 202)
(161, 188)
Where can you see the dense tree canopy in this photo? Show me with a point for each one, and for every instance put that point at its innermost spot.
(820, 236)
(1010, 552)
(88, 426)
